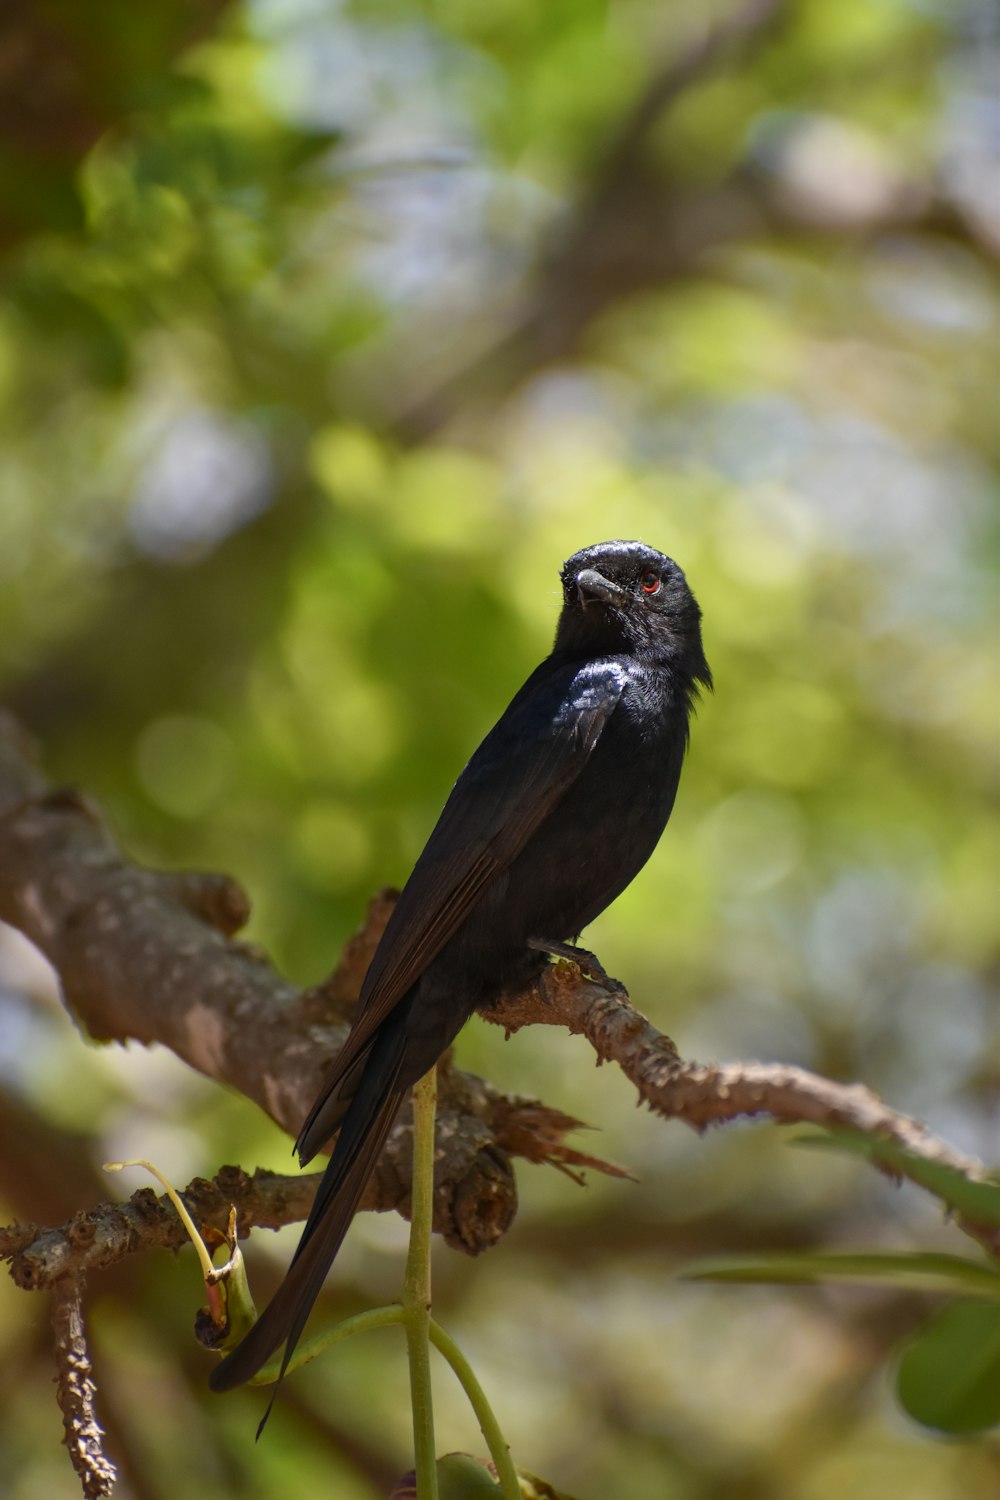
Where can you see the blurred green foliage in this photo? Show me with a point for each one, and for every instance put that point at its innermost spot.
(327, 331)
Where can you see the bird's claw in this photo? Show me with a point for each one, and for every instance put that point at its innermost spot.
(588, 964)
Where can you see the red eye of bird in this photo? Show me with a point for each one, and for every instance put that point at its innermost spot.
(650, 583)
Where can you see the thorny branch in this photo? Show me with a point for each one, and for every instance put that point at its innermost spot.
(148, 955)
(703, 1094)
(151, 956)
(75, 1391)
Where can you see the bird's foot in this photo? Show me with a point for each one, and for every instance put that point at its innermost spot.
(588, 964)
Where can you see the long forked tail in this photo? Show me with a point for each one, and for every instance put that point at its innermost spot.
(362, 1135)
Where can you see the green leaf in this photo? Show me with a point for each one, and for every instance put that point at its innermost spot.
(978, 1200)
(949, 1374)
(917, 1272)
(461, 1477)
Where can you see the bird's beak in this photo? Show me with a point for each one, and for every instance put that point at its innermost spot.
(592, 586)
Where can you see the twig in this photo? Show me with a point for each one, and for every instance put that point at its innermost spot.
(75, 1391)
(707, 1094)
(99, 1237)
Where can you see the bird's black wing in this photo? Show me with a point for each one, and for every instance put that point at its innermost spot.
(520, 771)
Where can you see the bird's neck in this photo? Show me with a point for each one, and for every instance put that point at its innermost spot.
(681, 664)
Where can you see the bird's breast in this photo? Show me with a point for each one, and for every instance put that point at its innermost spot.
(591, 844)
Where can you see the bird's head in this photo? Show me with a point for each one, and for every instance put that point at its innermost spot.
(627, 598)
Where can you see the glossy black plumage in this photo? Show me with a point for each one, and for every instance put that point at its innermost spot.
(556, 812)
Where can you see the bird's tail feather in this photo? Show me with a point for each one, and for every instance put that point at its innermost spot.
(331, 1105)
(366, 1125)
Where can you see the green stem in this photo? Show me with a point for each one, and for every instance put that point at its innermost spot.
(376, 1317)
(488, 1424)
(417, 1286)
(414, 1313)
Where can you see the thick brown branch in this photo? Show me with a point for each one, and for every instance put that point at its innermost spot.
(135, 961)
(148, 956)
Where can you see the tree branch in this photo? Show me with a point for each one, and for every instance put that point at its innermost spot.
(75, 1392)
(703, 1094)
(147, 955)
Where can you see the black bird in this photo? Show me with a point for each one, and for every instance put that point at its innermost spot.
(558, 809)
